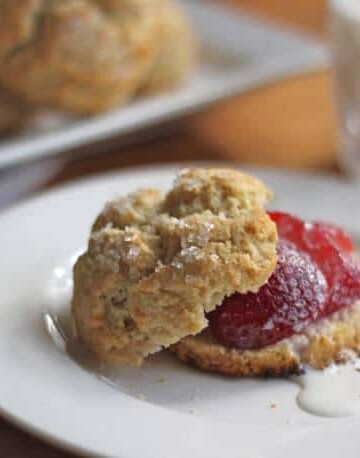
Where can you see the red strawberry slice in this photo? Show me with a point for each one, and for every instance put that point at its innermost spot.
(341, 239)
(330, 248)
(294, 296)
(315, 276)
(292, 228)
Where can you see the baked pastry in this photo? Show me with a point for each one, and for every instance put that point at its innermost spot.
(78, 55)
(320, 345)
(308, 313)
(13, 112)
(86, 56)
(201, 270)
(155, 265)
(177, 53)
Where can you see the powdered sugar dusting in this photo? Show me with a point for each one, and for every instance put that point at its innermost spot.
(133, 253)
(187, 181)
(214, 257)
(191, 254)
(322, 326)
(195, 235)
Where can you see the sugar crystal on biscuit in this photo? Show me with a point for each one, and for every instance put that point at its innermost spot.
(169, 253)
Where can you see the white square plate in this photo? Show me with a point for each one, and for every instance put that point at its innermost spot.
(237, 53)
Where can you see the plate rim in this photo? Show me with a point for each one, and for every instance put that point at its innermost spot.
(326, 177)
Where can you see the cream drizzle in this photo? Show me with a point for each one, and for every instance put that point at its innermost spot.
(333, 392)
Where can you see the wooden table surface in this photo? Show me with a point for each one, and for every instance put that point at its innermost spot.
(291, 123)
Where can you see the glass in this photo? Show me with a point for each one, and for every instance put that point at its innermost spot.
(345, 36)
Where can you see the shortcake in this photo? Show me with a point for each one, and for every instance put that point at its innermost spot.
(208, 272)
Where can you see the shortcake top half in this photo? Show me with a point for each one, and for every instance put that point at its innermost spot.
(157, 264)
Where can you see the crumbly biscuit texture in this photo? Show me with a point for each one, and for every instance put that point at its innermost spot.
(330, 340)
(88, 56)
(156, 264)
(78, 55)
(177, 53)
(221, 191)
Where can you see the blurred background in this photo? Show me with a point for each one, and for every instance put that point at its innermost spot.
(292, 122)
(289, 123)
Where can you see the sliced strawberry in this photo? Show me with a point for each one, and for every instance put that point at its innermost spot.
(294, 296)
(289, 227)
(294, 229)
(315, 276)
(336, 235)
(330, 248)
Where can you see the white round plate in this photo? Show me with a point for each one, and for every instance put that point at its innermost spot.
(164, 409)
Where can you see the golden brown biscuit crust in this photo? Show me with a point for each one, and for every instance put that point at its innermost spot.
(222, 191)
(177, 53)
(148, 277)
(321, 345)
(79, 55)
